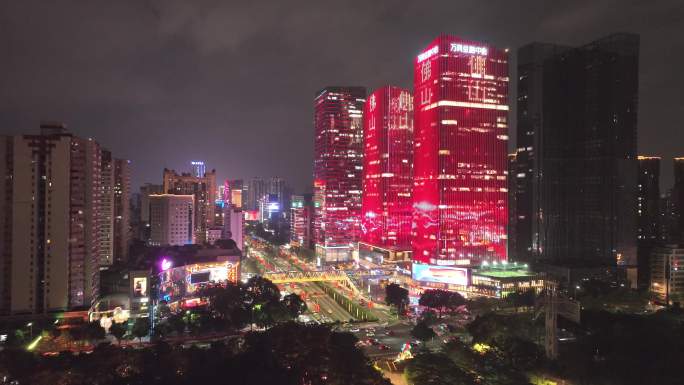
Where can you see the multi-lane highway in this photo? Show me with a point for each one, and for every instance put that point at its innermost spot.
(321, 307)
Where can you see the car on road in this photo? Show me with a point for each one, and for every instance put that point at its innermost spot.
(383, 347)
(354, 330)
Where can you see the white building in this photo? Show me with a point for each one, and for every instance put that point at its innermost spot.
(171, 220)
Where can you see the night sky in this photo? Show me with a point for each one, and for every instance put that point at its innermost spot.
(165, 82)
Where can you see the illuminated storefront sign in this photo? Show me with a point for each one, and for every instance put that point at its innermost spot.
(469, 49)
(440, 274)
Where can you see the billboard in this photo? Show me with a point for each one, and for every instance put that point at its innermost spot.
(440, 274)
(139, 287)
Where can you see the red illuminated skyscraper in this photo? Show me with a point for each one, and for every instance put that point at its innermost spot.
(338, 119)
(387, 171)
(460, 153)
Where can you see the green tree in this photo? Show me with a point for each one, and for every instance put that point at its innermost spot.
(422, 332)
(118, 330)
(141, 328)
(177, 323)
(397, 296)
(428, 317)
(294, 305)
(435, 369)
(93, 332)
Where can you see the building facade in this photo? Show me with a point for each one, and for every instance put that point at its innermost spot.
(172, 219)
(301, 215)
(338, 138)
(122, 209)
(460, 153)
(667, 274)
(107, 209)
(678, 201)
(648, 214)
(50, 192)
(386, 206)
(577, 167)
(203, 189)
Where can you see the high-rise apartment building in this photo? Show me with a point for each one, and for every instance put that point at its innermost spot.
(50, 192)
(648, 214)
(338, 125)
(172, 220)
(122, 212)
(203, 189)
(386, 208)
(460, 153)
(107, 209)
(576, 155)
(234, 226)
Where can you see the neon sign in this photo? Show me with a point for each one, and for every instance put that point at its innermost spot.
(469, 49)
(431, 52)
(166, 264)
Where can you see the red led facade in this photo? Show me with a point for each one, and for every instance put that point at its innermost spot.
(387, 169)
(338, 120)
(460, 153)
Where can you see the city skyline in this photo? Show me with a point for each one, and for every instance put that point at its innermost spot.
(191, 96)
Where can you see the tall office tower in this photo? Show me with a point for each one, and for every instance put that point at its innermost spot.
(172, 220)
(257, 188)
(204, 190)
(678, 200)
(512, 220)
(233, 225)
(145, 191)
(528, 212)
(577, 115)
(235, 189)
(338, 149)
(301, 215)
(648, 214)
(122, 219)
(198, 168)
(386, 212)
(107, 209)
(50, 215)
(460, 153)
(277, 186)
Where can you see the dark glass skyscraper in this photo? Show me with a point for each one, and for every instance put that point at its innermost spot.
(338, 125)
(577, 169)
(648, 213)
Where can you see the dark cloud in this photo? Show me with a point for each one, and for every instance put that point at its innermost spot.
(166, 81)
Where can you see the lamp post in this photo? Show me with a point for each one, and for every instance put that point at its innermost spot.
(30, 326)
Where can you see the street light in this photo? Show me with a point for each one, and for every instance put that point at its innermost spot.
(30, 326)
